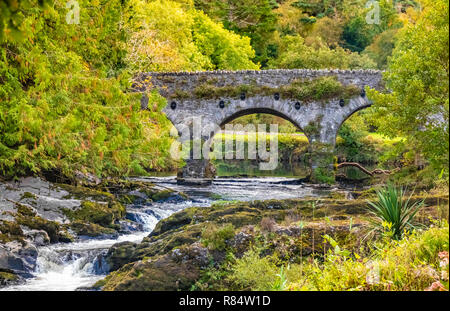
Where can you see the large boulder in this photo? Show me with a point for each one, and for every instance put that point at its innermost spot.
(18, 258)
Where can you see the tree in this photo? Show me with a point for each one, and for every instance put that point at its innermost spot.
(254, 19)
(358, 33)
(418, 77)
(65, 103)
(11, 17)
(294, 53)
(381, 48)
(169, 36)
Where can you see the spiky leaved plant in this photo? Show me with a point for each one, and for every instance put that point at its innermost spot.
(394, 211)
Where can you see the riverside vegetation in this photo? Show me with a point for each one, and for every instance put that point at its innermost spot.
(300, 244)
(71, 133)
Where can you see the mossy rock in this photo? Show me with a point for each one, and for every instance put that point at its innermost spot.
(85, 193)
(120, 254)
(10, 231)
(8, 278)
(103, 214)
(162, 274)
(28, 195)
(27, 217)
(175, 221)
(90, 229)
(149, 265)
(162, 195)
(123, 253)
(241, 219)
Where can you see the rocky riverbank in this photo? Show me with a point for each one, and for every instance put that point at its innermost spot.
(194, 248)
(146, 234)
(36, 213)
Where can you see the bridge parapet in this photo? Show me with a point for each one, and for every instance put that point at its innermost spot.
(170, 82)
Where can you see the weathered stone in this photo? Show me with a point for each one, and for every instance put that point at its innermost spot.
(119, 254)
(21, 259)
(318, 119)
(86, 178)
(195, 254)
(37, 237)
(196, 172)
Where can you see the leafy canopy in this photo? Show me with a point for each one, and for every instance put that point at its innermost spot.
(418, 76)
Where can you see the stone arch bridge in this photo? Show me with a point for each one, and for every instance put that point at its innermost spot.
(316, 101)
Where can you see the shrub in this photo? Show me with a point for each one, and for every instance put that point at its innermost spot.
(394, 212)
(414, 263)
(253, 272)
(268, 224)
(215, 238)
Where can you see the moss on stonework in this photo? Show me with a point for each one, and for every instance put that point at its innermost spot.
(323, 162)
(180, 94)
(312, 129)
(319, 89)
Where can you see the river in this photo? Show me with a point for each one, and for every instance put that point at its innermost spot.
(77, 265)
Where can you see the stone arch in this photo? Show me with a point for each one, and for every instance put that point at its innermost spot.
(351, 112)
(214, 96)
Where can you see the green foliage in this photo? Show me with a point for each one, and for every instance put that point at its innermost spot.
(413, 263)
(351, 141)
(393, 212)
(64, 100)
(11, 17)
(358, 34)
(225, 49)
(294, 53)
(319, 8)
(323, 175)
(319, 89)
(215, 238)
(381, 48)
(253, 272)
(418, 106)
(168, 36)
(254, 19)
(356, 145)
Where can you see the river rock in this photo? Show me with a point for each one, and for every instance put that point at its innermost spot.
(8, 278)
(130, 226)
(21, 259)
(195, 254)
(37, 237)
(120, 254)
(241, 243)
(100, 265)
(86, 179)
